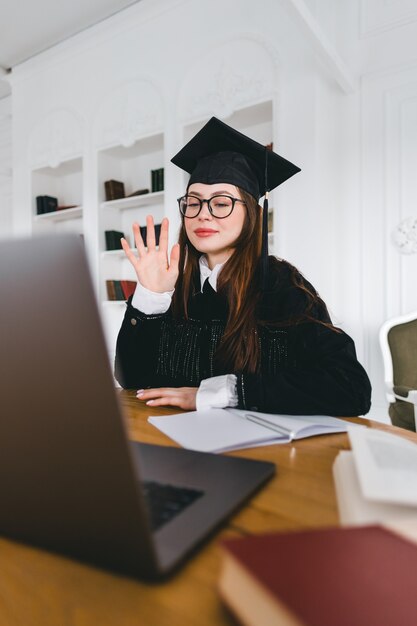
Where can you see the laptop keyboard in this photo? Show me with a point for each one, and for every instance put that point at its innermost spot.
(166, 501)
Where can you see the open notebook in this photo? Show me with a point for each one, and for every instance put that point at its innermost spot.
(220, 430)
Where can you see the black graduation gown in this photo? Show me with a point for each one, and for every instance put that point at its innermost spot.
(306, 368)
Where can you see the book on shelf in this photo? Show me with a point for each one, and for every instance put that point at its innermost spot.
(114, 190)
(221, 430)
(46, 204)
(128, 287)
(376, 480)
(157, 179)
(139, 192)
(157, 234)
(120, 289)
(325, 577)
(114, 290)
(111, 292)
(112, 238)
(64, 207)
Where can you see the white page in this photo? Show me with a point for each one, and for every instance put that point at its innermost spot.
(219, 430)
(386, 465)
(214, 430)
(300, 426)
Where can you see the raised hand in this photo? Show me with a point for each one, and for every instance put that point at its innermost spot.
(152, 267)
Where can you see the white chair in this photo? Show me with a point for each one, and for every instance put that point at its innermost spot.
(398, 341)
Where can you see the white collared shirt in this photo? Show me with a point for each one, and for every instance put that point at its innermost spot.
(218, 391)
(207, 274)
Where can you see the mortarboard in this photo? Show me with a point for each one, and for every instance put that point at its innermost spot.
(220, 154)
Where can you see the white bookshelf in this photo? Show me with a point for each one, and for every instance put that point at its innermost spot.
(131, 165)
(64, 182)
(59, 216)
(80, 180)
(135, 202)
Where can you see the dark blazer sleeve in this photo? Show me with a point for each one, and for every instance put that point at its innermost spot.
(330, 380)
(327, 380)
(137, 349)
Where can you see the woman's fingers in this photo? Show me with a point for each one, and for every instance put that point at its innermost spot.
(151, 264)
(174, 258)
(183, 397)
(165, 401)
(128, 251)
(163, 237)
(147, 394)
(140, 246)
(150, 233)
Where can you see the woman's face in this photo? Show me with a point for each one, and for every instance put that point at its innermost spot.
(212, 236)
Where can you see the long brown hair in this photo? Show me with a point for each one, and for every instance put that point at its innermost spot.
(236, 283)
(239, 283)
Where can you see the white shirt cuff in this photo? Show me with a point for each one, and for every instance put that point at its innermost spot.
(217, 392)
(151, 302)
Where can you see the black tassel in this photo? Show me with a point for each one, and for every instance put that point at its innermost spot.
(264, 252)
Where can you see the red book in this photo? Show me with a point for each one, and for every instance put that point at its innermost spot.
(354, 576)
(128, 287)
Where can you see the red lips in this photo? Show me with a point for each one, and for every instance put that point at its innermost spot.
(204, 232)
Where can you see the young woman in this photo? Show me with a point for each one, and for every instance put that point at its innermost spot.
(219, 323)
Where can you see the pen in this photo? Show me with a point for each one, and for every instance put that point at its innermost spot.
(267, 424)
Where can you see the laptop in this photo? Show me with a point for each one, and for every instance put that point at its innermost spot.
(70, 479)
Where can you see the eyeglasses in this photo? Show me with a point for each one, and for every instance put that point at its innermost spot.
(219, 206)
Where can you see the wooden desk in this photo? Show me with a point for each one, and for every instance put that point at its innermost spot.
(41, 589)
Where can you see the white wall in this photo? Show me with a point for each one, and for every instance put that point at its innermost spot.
(383, 49)
(375, 150)
(5, 167)
(343, 78)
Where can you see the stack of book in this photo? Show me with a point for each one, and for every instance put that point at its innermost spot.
(120, 289)
(46, 204)
(376, 480)
(114, 190)
(113, 239)
(157, 179)
(360, 574)
(327, 577)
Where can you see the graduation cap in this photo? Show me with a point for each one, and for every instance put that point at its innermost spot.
(220, 154)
